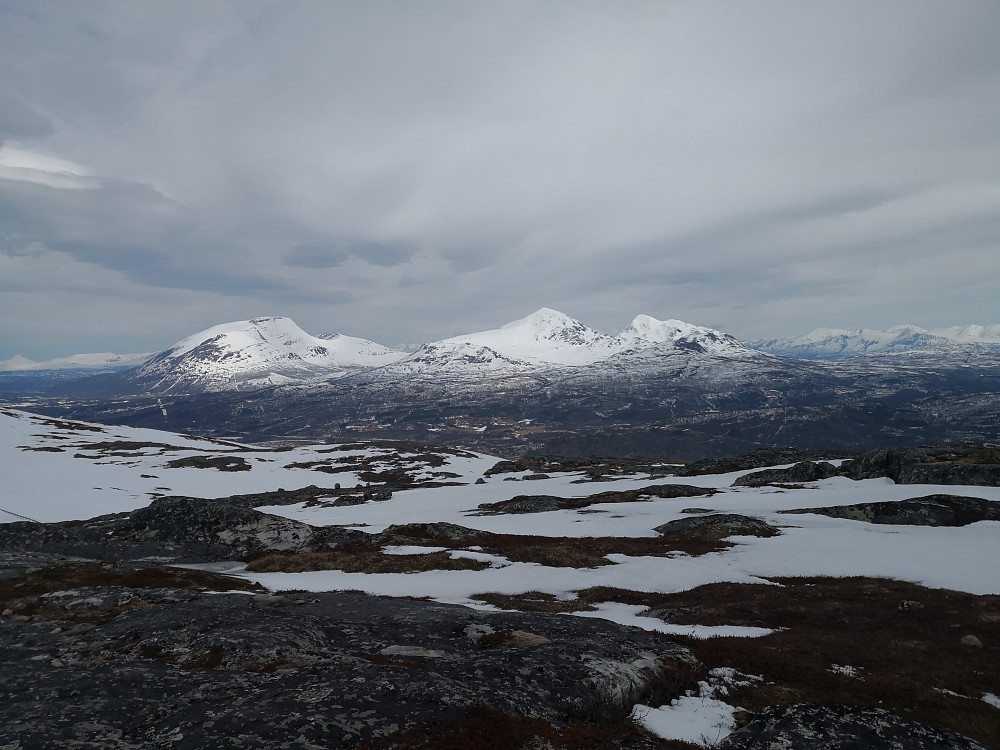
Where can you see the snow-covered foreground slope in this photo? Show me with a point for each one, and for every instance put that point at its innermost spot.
(59, 471)
(55, 470)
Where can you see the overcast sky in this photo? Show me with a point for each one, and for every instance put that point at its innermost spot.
(407, 171)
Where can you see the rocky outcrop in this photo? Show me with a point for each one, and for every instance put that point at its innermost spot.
(975, 465)
(545, 503)
(721, 524)
(315, 670)
(804, 471)
(758, 458)
(930, 510)
(839, 727)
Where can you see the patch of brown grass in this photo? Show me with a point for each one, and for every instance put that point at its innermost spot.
(385, 661)
(361, 557)
(485, 728)
(79, 575)
(904, 656)
(532, 601)
(592, 552)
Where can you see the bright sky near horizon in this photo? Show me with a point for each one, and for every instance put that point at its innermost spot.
(409, 171)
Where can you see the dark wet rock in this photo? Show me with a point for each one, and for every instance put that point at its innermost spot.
(759, 458)
(546, 503)
(222, 463)
(348, 500)
(804, 471)
(724, 524)
(175, 529)
(597, 469)
(839, 727)
(438, 530)
(930, 510)
(526, 504)
(975, 465)
(187, 670)
(186, 520)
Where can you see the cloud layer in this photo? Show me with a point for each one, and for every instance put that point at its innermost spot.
(407, 171)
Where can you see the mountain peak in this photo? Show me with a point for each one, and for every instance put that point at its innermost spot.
(645, 330)
(261, 350)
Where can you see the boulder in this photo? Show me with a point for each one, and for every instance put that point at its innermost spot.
(719, 525)
(840, 727)
(804, 471)
(929, 510)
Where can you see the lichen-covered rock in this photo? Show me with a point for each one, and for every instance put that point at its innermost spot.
(970, 465)
(187, 520)
(720, 525)
(804, 471)
(839, 727)
(186, 670)
(929, 510)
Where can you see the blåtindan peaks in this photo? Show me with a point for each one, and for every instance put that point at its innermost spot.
(550, 338)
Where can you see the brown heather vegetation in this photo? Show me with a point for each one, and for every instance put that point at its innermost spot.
(79, 575)
(361, 557)
(558, 552)
(485, 728)
(904, 640)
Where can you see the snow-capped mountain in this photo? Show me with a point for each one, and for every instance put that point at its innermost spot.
(256, 353)
(834, 343)
(99, 361)
(549, 339)
(263, 352)
(645, 331)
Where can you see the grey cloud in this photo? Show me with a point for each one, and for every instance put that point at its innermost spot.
(330, 255)
(315, 256)
(681, 159)
(19, 119)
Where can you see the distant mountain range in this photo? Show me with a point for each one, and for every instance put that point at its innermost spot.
(272, 351)
(549, 383)
(835, 343)
(101, 361)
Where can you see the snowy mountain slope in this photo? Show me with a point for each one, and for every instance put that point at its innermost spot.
(833, 343)
(98, 361)
(256, 353)
(263, 352)
(546, 337)
(645, 331)
(548, 340)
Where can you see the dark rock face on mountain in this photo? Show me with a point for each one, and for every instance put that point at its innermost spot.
(930, 510)
(838, 727)
(112, 667)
